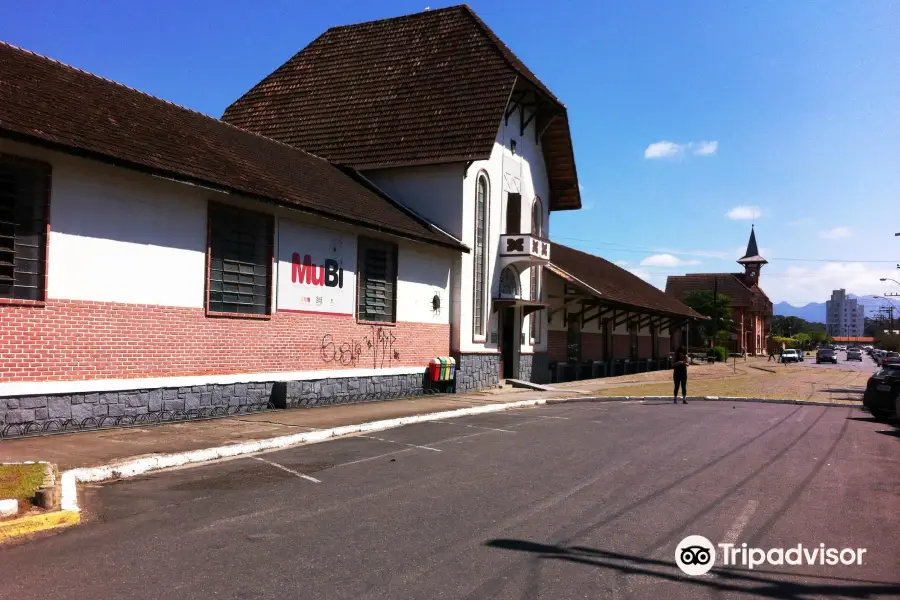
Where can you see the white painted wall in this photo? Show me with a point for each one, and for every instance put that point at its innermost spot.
(121, 236)
(432, 191)
(422, 273)
(530, 181)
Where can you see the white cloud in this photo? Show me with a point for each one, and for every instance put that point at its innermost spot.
(706, 148)
(666, 149)
(802, 222)
(580, 188)
(744, 213)
(836, 233)
(622, 263)
(667, 261)
(663, 149)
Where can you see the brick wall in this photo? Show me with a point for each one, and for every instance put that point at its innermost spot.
(95, 340)
(645, 346)
(556, 345)
(621, 345)
(591, 346)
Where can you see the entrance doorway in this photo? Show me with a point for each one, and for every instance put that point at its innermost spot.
(507, 343)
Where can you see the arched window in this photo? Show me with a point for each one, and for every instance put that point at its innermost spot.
(537, 228)
(482, 209)
(537, 218)
(509, 283)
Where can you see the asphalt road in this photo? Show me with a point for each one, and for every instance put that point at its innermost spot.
(583, 500)
(866, 364)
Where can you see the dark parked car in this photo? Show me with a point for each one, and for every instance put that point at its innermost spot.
(826, 355)
(854, 354)
(890, 358)
(881, 393)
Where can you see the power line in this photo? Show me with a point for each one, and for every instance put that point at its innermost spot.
(643, 249)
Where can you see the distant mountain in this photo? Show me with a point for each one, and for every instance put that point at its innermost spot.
(813, 312)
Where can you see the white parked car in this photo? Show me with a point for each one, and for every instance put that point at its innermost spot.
(790, 356)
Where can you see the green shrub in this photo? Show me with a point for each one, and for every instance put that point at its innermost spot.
(719, 353)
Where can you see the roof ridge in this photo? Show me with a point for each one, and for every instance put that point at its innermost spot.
(454, 7)
(153, 97)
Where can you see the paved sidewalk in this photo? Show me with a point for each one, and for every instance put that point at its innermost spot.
(94, 448)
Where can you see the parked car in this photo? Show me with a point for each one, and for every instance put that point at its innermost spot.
(882, 391)
(890, 358)
(801, 355)
(878, 355)
(826, 355)
(790, 356)
(854, 354)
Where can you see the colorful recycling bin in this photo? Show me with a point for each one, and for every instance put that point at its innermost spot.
(442, 368)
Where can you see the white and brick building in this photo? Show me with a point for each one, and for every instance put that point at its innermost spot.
(319, 244)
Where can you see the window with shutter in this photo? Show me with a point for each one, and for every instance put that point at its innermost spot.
(377, 287)
(24, 191)
(240, 261)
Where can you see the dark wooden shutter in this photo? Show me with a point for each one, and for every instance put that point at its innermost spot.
(23, 228)
(378, 281)
(240, 261)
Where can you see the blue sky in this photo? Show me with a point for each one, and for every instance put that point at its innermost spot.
(682, 113)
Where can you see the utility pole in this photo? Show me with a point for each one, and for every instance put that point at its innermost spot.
(715, 309)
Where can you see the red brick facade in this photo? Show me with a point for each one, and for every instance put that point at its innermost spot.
(645, 346)
(556, 345)
(592, 346)
(69, 339)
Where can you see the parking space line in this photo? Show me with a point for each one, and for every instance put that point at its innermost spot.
(283, 468)
(369, 437)
(367, 459)
(740, 523)
(470, 426)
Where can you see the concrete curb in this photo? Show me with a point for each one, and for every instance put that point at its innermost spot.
(706, 399)
(132, 468)
(34, 523)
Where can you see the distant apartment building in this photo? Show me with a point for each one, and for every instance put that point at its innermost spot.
(844, 316)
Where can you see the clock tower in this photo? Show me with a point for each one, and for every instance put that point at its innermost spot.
(752, 261)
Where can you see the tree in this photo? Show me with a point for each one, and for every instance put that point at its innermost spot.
(717, 308)
(790, 326)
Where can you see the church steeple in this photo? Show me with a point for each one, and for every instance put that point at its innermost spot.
(751, 260)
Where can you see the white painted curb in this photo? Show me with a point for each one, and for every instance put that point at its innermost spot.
(132, 468)
(9, 507)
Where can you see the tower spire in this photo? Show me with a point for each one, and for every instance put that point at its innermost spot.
(752, 254)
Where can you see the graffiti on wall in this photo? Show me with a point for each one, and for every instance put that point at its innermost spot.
(376, 346)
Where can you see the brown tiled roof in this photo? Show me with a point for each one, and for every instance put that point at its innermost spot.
(730, 284)
(44, 101)
(426, 88)
(615, 284)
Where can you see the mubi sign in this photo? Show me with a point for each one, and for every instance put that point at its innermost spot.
(316, 269)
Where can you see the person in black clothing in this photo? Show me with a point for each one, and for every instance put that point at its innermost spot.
(680, 374)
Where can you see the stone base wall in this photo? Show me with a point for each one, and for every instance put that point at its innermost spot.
(540, 368)
(525, 367)
(325, 392)
(86, 410)
(477, 371)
